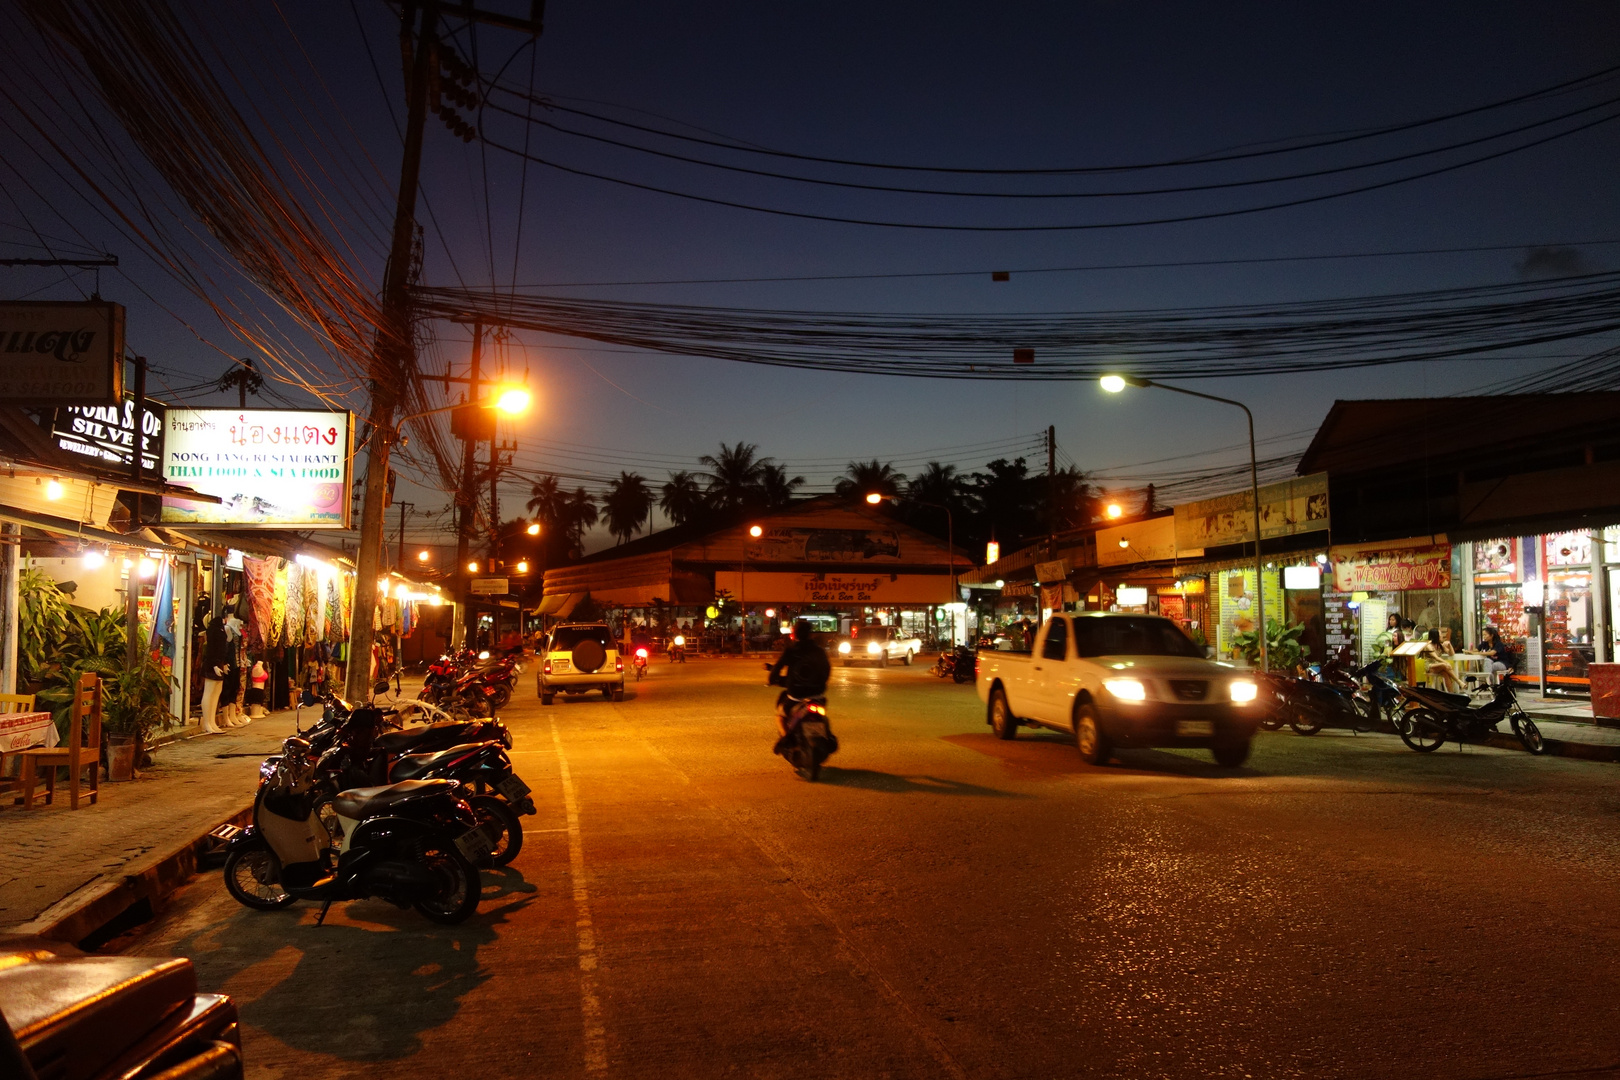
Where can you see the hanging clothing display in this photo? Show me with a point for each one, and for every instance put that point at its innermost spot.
(295, 603)
(260, 575)
(312, 607)
(163, 610)
(278, 607)
(347, 601)
(334, 613)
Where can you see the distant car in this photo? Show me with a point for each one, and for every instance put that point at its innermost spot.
(878, 645)
(71, 1016)
(579, 658)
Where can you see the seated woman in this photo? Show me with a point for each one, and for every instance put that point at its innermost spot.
(1439, 667)
(1502, 658)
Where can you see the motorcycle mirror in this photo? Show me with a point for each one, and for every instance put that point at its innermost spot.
(381, 687)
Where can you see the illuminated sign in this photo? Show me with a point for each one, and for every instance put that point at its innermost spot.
(106, 433)
(61, 352)
(269, 467)
(992, 552)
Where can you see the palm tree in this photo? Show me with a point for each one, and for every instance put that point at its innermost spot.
(864, 477)
(681, 499)
(546, 501)
(578, 513)
(775, 487)
(734, 475)
(628, 502)
(935, 484)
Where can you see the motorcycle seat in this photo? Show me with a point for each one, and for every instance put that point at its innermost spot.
(414, 766)
(1441, 697)
(364, 802)
(399, 742)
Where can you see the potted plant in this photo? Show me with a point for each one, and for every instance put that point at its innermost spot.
(135, 702)
(1282, 645)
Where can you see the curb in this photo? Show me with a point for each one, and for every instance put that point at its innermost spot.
(1559, 748)
(81, 913)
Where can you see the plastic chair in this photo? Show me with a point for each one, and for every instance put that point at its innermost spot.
(81, 751)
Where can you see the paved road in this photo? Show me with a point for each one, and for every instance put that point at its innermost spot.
(947, 905)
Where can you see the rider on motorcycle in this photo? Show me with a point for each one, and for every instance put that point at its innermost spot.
(802, 670)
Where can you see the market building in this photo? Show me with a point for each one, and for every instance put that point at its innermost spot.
(826, 559)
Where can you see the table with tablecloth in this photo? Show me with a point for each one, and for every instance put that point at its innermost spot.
(19, 731)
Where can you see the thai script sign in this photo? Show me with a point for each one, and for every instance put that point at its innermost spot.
(107, 433)
(270, 467)
(61, 353)
(1287, 508)
(1394, 571)
(824, 545)
(489, 586)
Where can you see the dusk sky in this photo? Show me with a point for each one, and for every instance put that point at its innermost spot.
(971, 86)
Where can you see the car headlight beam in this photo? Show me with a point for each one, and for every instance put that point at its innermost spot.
(1126, 689)
(873, 647)
(843, 647)
(1244, 692)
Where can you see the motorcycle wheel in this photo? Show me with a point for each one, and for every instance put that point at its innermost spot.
(476, 707)
(503, 695)
(1305, 723)
(1530, 735)
(510, 842)
(251, 879)
(459, 883)
(1421, 731)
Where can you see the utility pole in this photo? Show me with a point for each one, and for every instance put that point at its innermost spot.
(393, 352)
(467, 496)
(1051, 491)
(391, 357)
(132, 590)
(400, 564)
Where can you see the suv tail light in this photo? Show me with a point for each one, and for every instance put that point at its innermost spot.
(618, 663)
(548, 665)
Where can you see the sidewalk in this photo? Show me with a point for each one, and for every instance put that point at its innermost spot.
(56, 863)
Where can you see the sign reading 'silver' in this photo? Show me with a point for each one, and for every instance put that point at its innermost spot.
(55, 352)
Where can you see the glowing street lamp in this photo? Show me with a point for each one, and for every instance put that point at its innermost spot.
(424, 555)
(472, 568)
(533, 529)
(513, 400)
(1113, 384)
(1113, 510)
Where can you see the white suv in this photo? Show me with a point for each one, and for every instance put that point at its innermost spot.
(878, 645)
(578, 658)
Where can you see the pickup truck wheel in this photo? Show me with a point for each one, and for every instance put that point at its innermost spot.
(1002, 721)
(1231, 753)
(907, 660)
(1089, 738)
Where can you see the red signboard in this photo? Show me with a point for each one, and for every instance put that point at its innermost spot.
(1380, 571)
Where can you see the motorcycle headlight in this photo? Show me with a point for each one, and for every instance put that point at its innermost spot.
(680, 641)
(873, 647)
(843, 647)
(1244, 692)
(1126, 689)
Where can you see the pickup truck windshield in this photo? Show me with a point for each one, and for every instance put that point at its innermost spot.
(872, 633)
(1132, 636)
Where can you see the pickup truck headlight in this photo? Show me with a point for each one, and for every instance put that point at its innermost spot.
(873, 647)
(1244, 692)
(843, 647)
(1126, 689)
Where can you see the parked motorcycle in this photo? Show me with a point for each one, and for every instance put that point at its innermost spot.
(412, 844)
(1433, 716)
(809, 740)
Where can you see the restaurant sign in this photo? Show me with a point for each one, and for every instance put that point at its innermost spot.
(57, 352)
(1393, 571)
(269, 467)
(1287, 508)
(834, 590)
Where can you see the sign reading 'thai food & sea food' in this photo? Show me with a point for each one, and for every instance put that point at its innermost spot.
(270, 467)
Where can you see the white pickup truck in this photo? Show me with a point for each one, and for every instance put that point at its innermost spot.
(1119, 681)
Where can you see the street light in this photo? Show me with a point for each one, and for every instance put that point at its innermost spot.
(424, 555)
(523, 566)
(513, 399)
(877, 497)
(1113, 510)
(533, 529)
(1113, 384)
(472, 568)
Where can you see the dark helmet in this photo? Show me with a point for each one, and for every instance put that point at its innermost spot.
(802, 630)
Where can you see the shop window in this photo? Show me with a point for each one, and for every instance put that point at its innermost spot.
(1567, 623)
(1569, 548)
(1503, 608)
(1496, 562)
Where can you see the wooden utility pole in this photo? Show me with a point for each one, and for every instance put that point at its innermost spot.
(400, 563)
(1051, 491)
(394, 356)
(132, 590)
(467, 495)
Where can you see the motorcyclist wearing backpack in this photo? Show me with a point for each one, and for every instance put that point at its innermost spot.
(802, 671)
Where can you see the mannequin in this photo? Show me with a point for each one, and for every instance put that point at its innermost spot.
(230, 713)
(256, 690)
(216, 661)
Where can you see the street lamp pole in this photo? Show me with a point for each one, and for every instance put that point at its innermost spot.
(1114, 384)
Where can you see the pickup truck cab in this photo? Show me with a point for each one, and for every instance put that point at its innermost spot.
(580, 657)
(1120, 681)
(878, 645)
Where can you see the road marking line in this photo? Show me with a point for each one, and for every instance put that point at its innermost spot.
(590, 1005)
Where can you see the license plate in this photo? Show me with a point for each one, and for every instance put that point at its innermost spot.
(475, 843)
(560, 665)
(816, 729)
(1195, 727)
(512, 789)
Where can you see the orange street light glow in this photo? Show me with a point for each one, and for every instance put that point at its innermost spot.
(874, 498)
(423, 556)
(1114, 510)
(533, 529)
(756, 532)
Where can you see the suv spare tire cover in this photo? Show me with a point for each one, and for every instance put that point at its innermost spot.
(589, 656)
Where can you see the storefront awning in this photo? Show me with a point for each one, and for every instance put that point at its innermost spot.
(559, 604)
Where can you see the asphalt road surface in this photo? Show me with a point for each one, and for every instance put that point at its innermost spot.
(943, 904)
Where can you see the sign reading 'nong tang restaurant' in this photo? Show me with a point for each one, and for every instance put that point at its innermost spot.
(269, 467)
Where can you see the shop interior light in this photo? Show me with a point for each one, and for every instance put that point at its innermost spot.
(403, 592)
(1302, 577)
(128, 564)
(770, 613)
(1000, 583)
(94, 560)
(1124, 543)
(786, 628)
(310, 563)
(1131, 595)
(53, 490)
(1531, 594)
(1321, 558)
(147, 568)
(533, 529)
(523, 566)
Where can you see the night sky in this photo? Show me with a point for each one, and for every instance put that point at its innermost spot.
(972, 85)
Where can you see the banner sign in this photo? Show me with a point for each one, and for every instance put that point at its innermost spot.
(107, 433)
(489, 586)
(1287, 508)
(271, 467)
(55, 352)
(824, 545)
(834, 590)
(1393, 571)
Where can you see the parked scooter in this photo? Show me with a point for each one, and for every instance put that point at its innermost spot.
(412, 844)
(958, 664)
(1433, 716)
